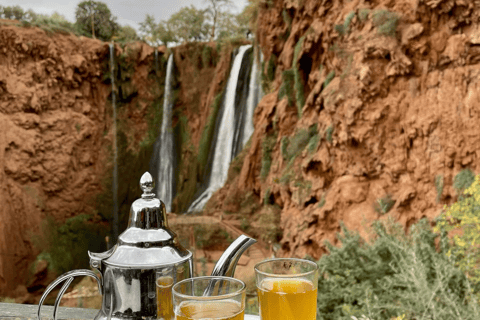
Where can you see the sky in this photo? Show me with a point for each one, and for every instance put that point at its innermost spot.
(128, 12)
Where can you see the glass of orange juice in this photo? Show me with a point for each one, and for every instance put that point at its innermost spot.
(287, 289)
(209, 298)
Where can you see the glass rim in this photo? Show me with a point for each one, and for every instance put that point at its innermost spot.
(275, 275)
(207, 298)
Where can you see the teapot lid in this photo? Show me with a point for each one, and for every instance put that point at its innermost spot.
(148, 241)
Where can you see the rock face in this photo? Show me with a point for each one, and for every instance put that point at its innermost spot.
(400, 107)
(55, 130)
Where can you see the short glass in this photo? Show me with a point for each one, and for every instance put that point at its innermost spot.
(287, 289)
(226, 301)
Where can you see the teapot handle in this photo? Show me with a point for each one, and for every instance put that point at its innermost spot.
(68, 276)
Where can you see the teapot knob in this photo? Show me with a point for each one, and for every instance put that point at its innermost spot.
(147, 184)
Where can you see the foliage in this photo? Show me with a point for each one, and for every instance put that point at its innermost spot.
(299, 89)
(188, 24)
(286, 89)
(344, 28)
(386, 22)
(384, 204)
(207, 237)
(54, 23)
(439, 186)
(208, 133)
(328, 79)
(230, 27)
(462, 181)
(268, 76)
(393, 275)
(363, 14)
(291, 147)
(94, 19)
(268, 224)
(14, 12)
(268, 144)
(329, 133)
(214, 11)
(126, 34)
(464, 217)
(64, 245)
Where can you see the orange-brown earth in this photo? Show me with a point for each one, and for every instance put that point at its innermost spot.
(404, 109)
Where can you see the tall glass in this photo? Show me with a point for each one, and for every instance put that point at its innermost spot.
(226, 299)
(164, 285)
(287, 289)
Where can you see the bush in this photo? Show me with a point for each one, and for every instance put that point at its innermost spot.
(291, 147)
(267, 147)
(439, 186)
(383, 205)
(286, 89)
(394, 275)
(65, 246)
(386, 22)
(298, 82)
(329, 133)
(328, 79)
(462, 181)
(464, 216)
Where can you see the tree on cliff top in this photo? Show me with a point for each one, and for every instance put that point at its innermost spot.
(215, 10)
(188, 24)
(94, 19)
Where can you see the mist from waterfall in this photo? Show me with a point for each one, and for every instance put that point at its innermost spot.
(115, 151)
(224, 144)
(164, 185)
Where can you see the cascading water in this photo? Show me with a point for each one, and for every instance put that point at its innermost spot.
(223, 153)
(165, 155)
(115, 153)
(252, 101)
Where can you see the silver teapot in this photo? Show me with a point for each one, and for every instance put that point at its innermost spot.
(146, 250)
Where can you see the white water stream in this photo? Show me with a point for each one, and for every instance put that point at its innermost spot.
(224, 143)
(165, 169)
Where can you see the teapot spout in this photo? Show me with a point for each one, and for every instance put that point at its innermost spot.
(228, 261)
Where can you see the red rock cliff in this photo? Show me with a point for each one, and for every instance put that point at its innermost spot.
(402, 108)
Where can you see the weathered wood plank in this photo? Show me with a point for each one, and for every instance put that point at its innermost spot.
(15, 311)
(9, 311)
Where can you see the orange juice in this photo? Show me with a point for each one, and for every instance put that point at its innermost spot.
(287, 299)
(218, 310)
(164, 298)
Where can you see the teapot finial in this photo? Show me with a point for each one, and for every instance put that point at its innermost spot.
(147, 184)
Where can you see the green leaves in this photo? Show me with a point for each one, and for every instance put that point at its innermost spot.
(94, 19)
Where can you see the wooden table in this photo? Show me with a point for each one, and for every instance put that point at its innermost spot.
(15, 311)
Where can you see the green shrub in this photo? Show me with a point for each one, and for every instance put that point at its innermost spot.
(208, 236)
(207, 56)
(386, 22)
(439, 186)
(463, 180)
(464, 216)
(298, 82)
(208, 133)
(393, 275)
(267, 147)
(266, 198)
(384, 204)
(286, 89)
(344, 28)
(328, 79)
(363, 14)
(65, 246)
(297, 143)
(329, 133)
(286, 18)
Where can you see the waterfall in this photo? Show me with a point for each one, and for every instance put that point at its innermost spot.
(115, 151)
(165, 155)
(252, 101)
(224, 144)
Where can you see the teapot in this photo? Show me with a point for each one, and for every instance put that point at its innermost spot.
(146, 250)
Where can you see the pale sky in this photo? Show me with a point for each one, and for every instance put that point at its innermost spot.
(128, 12)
